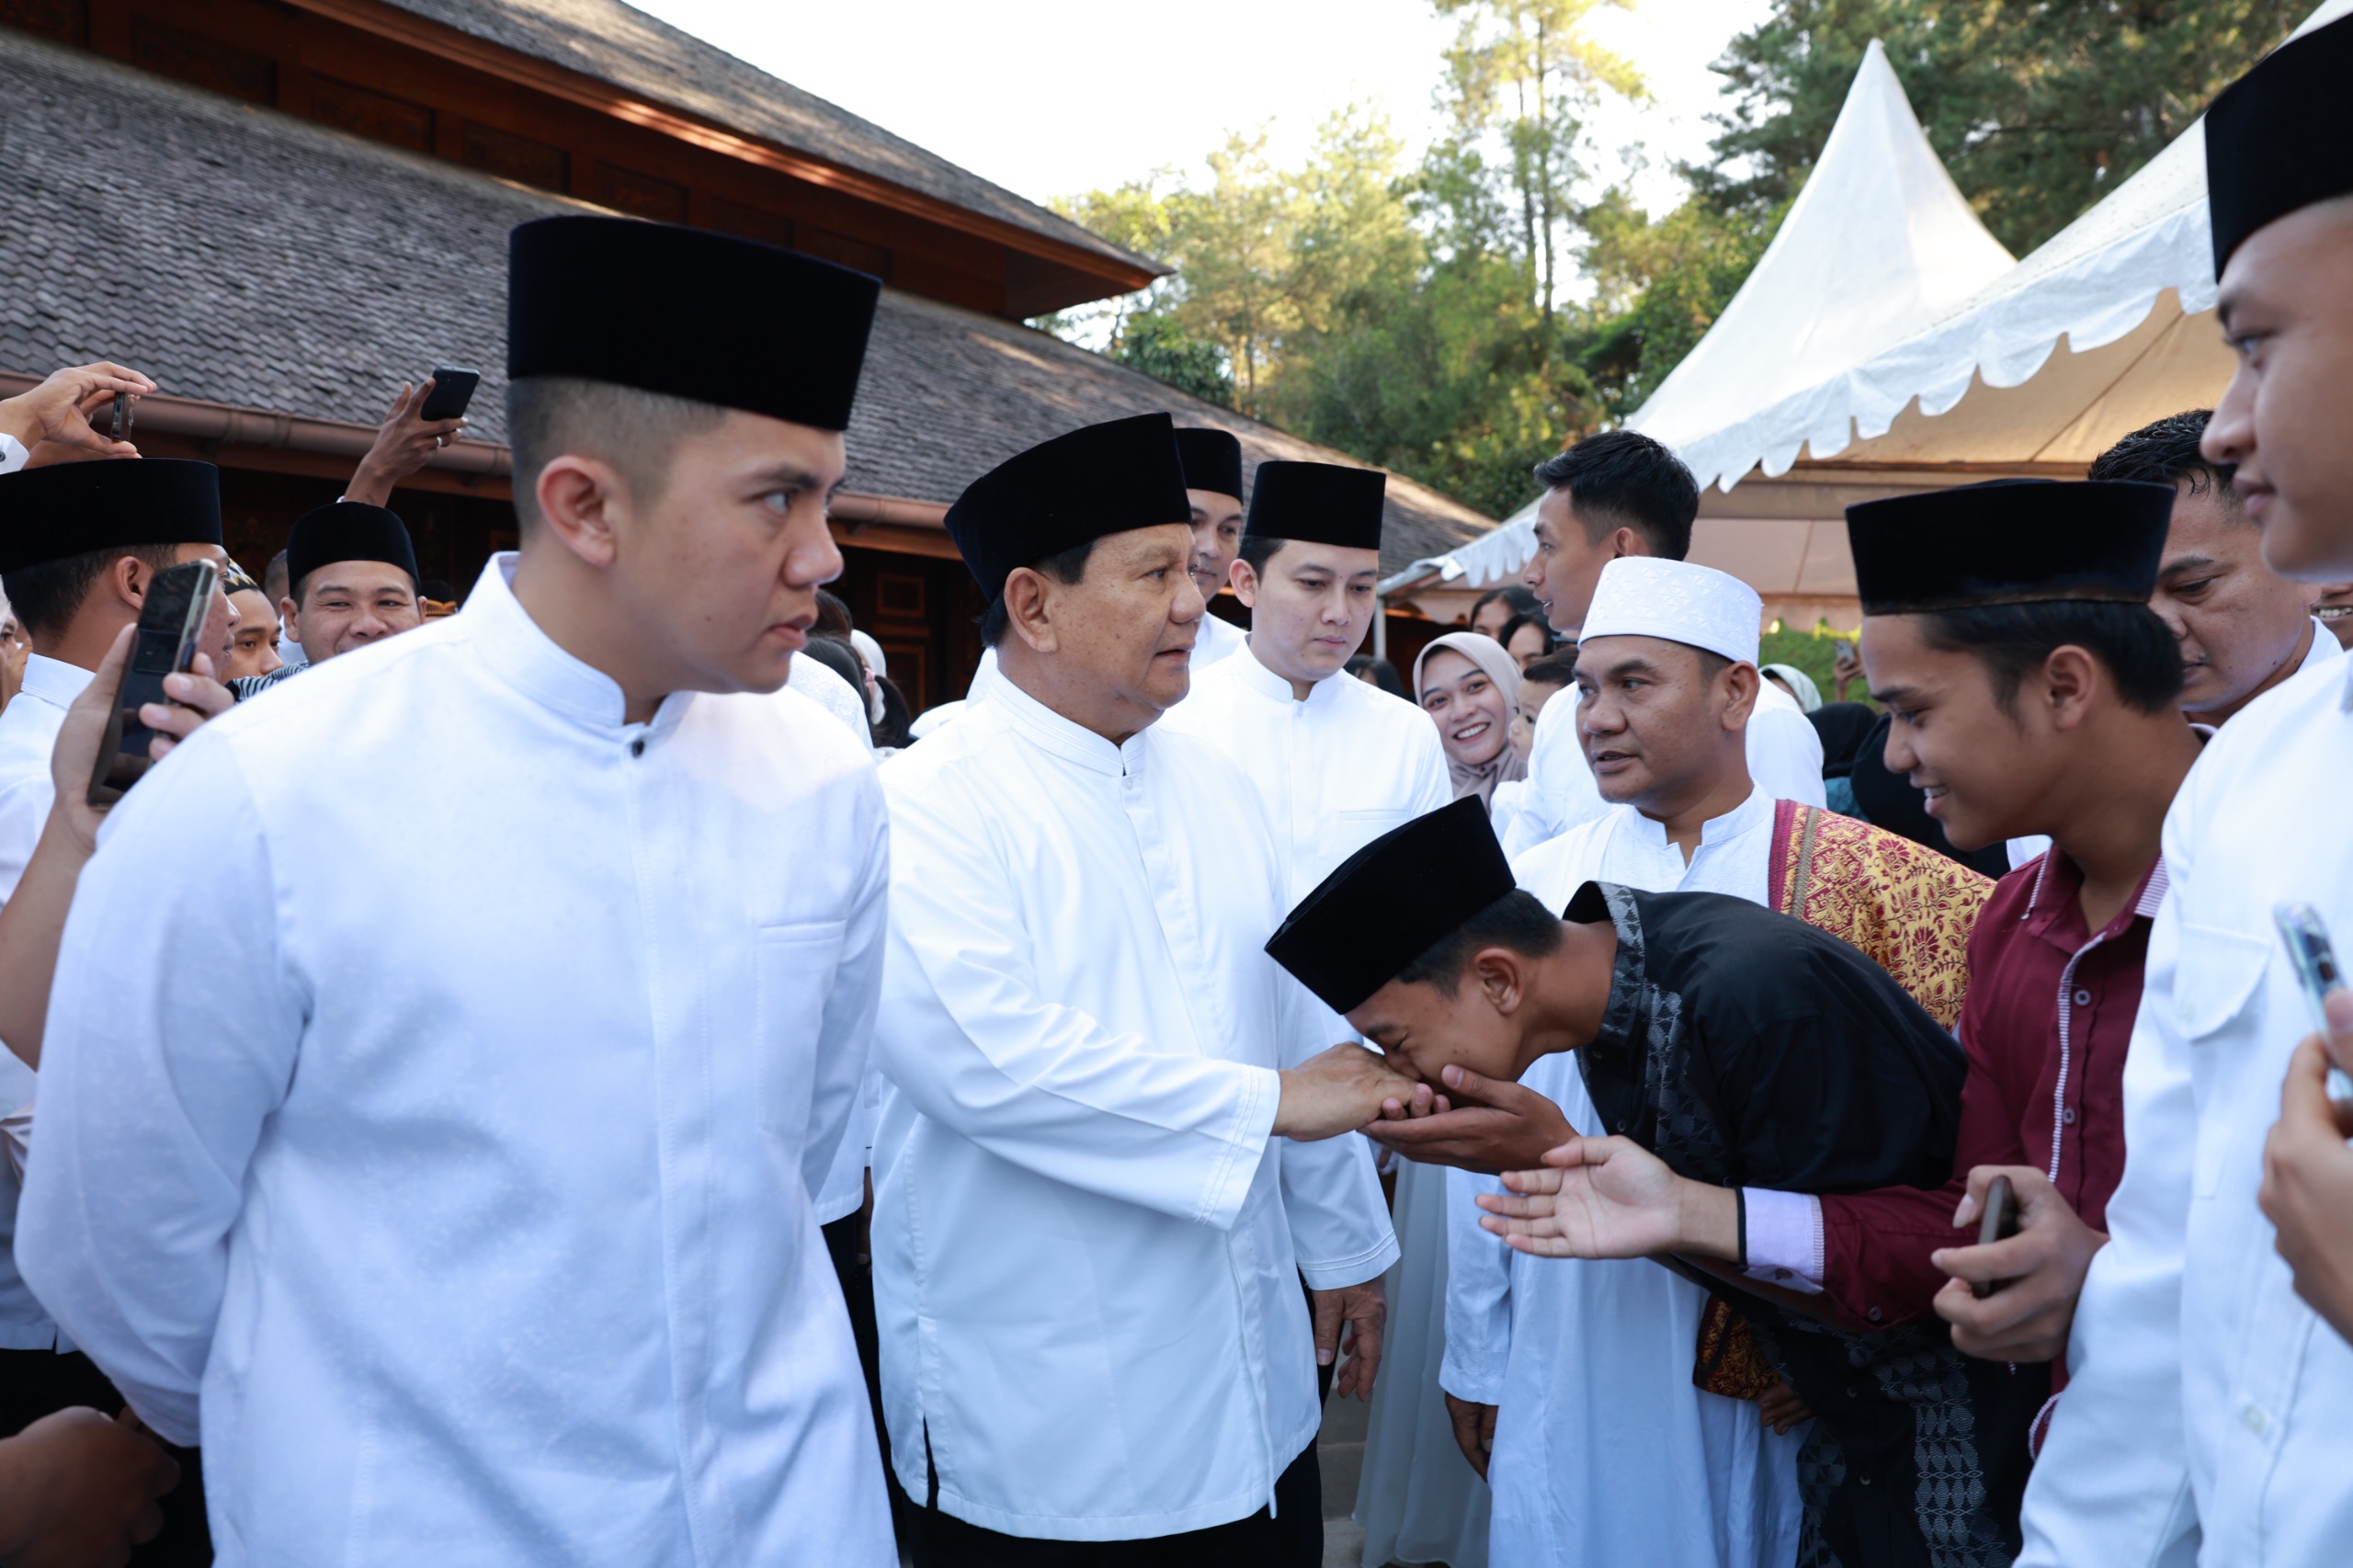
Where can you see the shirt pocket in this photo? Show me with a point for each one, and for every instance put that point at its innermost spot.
(2216, 980)
(795, 964)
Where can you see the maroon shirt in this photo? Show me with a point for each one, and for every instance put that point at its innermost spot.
(2045, 1024)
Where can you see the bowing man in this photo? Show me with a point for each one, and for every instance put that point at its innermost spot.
(1739, 1047)
(1212, 461)
(2209, 1407)
(471, 1222)
(1093, 1197)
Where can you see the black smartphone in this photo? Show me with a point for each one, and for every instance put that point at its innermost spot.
(2001, 1221)
(122, 416)
(170, 622)
(452, 390)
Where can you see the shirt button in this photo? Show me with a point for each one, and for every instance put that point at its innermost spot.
(2083, 998)
(2255, 1418)
(1873, 1314)
(2068, 1115)
(1621, 1127)
(637, 748)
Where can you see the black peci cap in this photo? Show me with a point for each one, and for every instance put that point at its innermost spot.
(1212, 461)
(1318, 504)
(689, 314)
(73, 508)
(347, 530)
(1392, 902)
(1098, 480)
(2281, 136)
(2009, 541)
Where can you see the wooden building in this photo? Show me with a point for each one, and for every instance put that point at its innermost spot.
(282, 209)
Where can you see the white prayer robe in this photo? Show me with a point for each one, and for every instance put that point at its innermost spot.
(12, 454)
(1086, 1242)
(475, 1206)
(2208, 1411)
(1332, 772)
(1784, 758)
(1604, 1452)
(1216, 641)
(28, 728)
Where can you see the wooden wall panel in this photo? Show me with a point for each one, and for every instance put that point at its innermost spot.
(364, 112)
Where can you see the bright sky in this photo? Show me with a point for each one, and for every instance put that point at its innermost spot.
(1051, 97)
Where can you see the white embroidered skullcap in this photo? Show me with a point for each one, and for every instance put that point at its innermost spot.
(1646, 596)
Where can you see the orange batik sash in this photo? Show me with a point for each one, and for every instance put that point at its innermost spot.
(1910, 910)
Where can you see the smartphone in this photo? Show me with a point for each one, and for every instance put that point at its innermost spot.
(2001, 1221)
(122, 416)
(452, 390)
(170, 622)
(2313, 958)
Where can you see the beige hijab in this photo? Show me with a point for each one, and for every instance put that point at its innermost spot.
(1507, 765)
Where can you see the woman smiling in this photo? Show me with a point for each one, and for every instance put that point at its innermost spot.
(1468, 684)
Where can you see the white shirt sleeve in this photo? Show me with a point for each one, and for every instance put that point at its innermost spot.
(1339, 1222)
(1478, 1295)
(1784, 750)
(157, 1077)
(13, 455)
(2112, 1481)
(968, 1039)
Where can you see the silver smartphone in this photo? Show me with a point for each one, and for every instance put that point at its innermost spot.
(2313, 958)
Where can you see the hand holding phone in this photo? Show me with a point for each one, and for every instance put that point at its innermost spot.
(2313, 958)
(1999, 1224)
(178, 600)
(453, 391)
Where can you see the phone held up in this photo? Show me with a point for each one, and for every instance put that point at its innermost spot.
(170, 622)
(2313, 958)
(2000, 1222)
(453, 389)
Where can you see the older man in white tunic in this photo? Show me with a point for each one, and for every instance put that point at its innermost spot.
(1603, 1450)
(1611, 496)
(1091, 1208)
(2210, 1408)
(469, 1220)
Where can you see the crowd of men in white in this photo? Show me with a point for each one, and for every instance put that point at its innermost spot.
(497, 1216)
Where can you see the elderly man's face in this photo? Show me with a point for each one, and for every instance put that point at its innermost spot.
(2287, 311)
(2239, 623)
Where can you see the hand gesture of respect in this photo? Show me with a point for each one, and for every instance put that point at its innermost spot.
(1610, 1197)
(1479, 1124)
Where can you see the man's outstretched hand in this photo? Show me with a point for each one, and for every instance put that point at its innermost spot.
(404, 443)
(1479, 1124)
(59, 410)
(77, 1490)
(1363, 1310)
(1336, 1091)
(1611, 1197)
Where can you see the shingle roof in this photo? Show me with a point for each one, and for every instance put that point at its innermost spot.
(246, 257)
(622, 45)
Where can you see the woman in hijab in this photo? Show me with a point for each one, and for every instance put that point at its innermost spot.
(1469, 684)
(1797, 683)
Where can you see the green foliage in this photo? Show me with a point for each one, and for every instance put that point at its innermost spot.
(1158, 347)
(2039, 109)
(1812, 651)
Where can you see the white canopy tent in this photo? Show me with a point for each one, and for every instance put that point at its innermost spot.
(1981, 383)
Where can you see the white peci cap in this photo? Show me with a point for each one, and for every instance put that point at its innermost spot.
(1644, 595)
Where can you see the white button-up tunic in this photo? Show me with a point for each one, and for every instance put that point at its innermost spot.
(436, 1075)
(1086, 1243)
(1332, 772)
(1784, 758)
(1604, 1452)
(2208, 1411)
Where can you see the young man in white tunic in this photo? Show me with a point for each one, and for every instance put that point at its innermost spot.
(83, 541)
(2210, 1408)
(1609, 497)
(1093, 1197)
(471, 1224)
(1334, 763)
(1573, 1384)
(1212, 461)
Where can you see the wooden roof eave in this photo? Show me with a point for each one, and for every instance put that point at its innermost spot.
(1118, 276)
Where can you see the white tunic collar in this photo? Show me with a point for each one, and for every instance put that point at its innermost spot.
(515, 649)
(1257, 677)
(1073, 742)
(1750, 814)
(54, 681)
